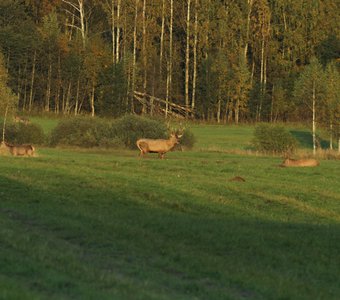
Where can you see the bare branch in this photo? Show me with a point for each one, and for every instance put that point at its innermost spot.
(72, 4)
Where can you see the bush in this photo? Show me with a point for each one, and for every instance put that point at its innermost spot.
(25, 134)
(94, 132)
(130, 128)
(273, 139)
(187, 140)
(81, 132)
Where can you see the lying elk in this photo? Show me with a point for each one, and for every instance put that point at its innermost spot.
(24, 120)
(19, 150)
(300, 163)
(159, 146)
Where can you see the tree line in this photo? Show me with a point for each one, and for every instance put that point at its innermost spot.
(228, 60)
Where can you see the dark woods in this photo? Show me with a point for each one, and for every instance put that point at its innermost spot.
(226, 61)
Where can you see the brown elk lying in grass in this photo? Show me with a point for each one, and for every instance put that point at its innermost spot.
(24, 120)
(19, 150)
(300, 163)
(159, 146)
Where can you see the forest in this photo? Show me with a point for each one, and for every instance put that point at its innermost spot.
(226, 61)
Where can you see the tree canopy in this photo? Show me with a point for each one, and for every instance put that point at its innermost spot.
(229, 61)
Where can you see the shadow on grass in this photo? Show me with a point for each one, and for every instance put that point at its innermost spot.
(305, 139)
(112, 245)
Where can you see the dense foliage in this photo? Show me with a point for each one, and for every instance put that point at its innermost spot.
(20, 133)
(81, 132)
(120, 133)
(273, 139)
(228, 60)
(130, 128)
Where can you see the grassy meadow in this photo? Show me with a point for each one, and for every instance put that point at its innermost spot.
(105, 224)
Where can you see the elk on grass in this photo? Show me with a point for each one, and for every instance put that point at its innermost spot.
(19, 150)
(159, 146)
(300, 163)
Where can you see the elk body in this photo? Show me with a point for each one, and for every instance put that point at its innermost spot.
(23, 120)
(300, 163)
(159, 146)
(19, 150)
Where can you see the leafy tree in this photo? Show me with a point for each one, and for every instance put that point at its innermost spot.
(332, 98)
(309, 90)
(8, 101)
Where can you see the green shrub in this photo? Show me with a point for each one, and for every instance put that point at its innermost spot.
(25, 134)
(94, 132)
(81, 132)
(131, 127)
(187, 140)
(273, 139)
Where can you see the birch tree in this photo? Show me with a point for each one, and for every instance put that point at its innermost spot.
(309, 89)
(332, 97)
(187, 56)
(8, 101)
(194, 76)
(169, 65)
(77, 10)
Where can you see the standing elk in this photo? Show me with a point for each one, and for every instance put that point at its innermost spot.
(300, 163)
(19, 150)
(159, 146)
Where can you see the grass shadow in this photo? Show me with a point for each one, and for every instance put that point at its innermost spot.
(305, 139)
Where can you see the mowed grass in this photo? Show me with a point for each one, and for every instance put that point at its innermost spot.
(78, 224)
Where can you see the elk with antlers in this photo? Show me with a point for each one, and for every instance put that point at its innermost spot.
(159, 146)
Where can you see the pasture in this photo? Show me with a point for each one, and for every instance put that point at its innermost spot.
(102, 224)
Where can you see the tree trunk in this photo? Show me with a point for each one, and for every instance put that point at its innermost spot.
(261, 80)
(118, 30)
(169, 66)
(144, 52)
(219, 110)
(194, 79)
(48, 88)
(134, 56)
(4, 124)
(272, 105)
(113, 31)
(76, 105)
(68, 96)
(187, 59)
(250, 4)
(82, 21)
(314, 119)
(162, 41)
(92, 100)
(32, 81)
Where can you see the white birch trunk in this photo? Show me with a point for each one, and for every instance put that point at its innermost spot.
(113, 32)
(118, 31)
(331, 136)
(92, 100)
(32, 81)
(144, 48)
(162, 40)
(169, 73)
(134, 55)
(250, 4)
(314, 119)
(82, 21)
(194, 79)
(77, 98)
(187, 59)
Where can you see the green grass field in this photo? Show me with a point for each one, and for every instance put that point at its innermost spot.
(78, 224)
